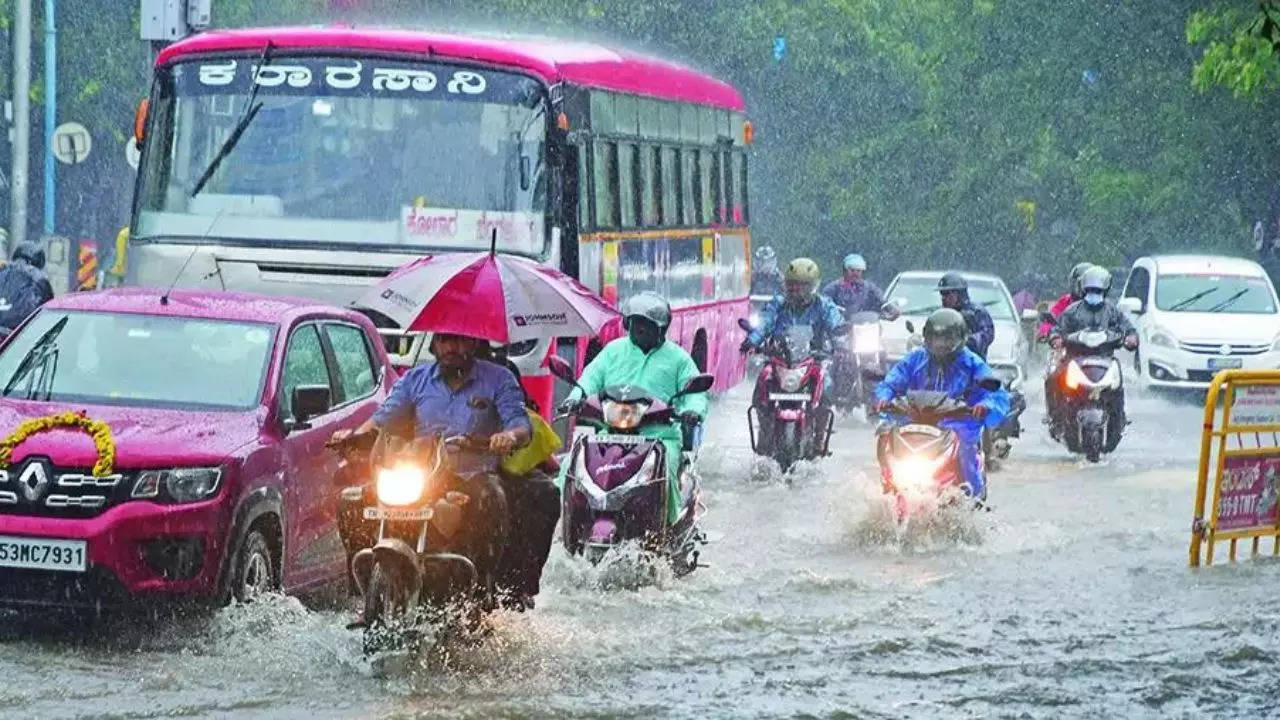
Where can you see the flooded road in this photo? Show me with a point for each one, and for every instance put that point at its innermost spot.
(1071, 598)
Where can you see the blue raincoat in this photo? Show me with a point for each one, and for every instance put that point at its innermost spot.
(959, 380)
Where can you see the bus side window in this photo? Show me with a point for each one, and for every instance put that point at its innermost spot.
(670, 187)
(688, 176)
(606, 184)
(651, 184)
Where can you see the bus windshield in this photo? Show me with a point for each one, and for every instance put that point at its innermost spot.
(345, 152)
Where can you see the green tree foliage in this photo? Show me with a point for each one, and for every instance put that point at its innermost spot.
(992, 134)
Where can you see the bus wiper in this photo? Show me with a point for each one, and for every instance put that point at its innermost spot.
(36, 356)
(1228, 302)
(250, 112)
(1189, 300)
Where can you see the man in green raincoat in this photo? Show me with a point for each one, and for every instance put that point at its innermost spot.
(646, 359)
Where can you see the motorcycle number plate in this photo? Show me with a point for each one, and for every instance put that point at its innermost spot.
(613, 439)
(377, 513)
(789, 397)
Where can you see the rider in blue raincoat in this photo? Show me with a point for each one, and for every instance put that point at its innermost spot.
(945, 365)
(801, 305)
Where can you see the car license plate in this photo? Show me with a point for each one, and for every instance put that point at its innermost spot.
(377, 513)
(1225, 363)
(42, 554)
(789, 397)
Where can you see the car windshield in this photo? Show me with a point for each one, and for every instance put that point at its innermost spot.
(921, 297)
(458, 152)
(1215, 294)
(139, 360)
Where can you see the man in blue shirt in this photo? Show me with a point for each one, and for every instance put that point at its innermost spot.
(460, 395)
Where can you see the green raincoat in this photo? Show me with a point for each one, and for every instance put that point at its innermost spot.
(663, 372)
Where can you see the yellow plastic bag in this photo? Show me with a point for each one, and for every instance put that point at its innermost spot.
(541, 447)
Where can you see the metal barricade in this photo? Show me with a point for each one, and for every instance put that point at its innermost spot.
(1240, 462)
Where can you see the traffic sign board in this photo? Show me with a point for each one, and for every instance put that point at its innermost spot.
(71, 143)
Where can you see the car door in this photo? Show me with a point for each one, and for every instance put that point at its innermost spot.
(308, 465)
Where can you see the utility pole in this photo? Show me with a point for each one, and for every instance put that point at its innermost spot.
(50, 114)
(21, 122)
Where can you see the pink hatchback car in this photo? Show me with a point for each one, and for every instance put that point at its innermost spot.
(220, 405)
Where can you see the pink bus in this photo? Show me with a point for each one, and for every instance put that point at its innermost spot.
(312, 161)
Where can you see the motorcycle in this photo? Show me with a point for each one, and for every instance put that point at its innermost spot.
(997, 442)
(789, 390)
(615, 488)
(920, 460)
(1091, 419)
(864, 350)
(395, 529)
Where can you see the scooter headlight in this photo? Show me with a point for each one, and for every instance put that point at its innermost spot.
(866, 338)
(754, 319)
(1075, 377)
(624, 416)
(402, 484)
(914, 473)
(790, 378)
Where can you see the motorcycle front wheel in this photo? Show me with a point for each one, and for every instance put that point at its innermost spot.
(385, 606)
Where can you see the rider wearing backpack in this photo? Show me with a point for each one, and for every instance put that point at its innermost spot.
(24, 285)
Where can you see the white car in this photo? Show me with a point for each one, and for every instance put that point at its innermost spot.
(1198, 314)
(916, 295)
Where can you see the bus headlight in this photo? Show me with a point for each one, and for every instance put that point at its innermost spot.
(400, 485)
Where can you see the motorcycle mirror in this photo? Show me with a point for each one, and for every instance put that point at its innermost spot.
(561, 369)
(842, 329)
(697, 384)
(742, 323)
(871, 374)
(1047, 317)
(911, 327)
(990, 383)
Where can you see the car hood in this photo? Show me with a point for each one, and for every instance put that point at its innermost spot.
(143, 437)
(1220, 327)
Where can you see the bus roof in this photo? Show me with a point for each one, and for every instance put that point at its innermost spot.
(576, 63)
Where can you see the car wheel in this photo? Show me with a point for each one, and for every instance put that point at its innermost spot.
(255, 572)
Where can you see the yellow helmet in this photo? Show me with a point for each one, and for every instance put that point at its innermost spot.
(803, 270)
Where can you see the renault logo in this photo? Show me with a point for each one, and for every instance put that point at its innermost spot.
(33, 480)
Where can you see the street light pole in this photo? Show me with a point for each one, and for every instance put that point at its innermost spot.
(50, 114)
(21, 122)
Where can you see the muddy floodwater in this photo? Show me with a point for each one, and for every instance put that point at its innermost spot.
(1072, 598)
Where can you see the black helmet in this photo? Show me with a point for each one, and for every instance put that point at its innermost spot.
(650, 306)
(951, 282)
(1096, 279)
(29, 252)
(1073, 279)
(944, 333)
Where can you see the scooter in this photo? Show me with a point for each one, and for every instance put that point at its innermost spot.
(920, 461)
(615, 486)
(997, 442)
(796, 426)
(1091, 420)
(863, 350)
(395, 530)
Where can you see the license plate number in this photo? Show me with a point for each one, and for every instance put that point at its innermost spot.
(614, 439)
(789, 397)
(1225, 363)
(373, 513)
(41, 554)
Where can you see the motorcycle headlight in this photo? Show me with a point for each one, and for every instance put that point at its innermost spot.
(402, 484)
(624, 416)
(1162, 338)
(866, 338)
(1075, 377)
(182, 485)
(790, 379)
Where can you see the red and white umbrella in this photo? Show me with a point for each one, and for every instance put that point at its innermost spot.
(503, 298)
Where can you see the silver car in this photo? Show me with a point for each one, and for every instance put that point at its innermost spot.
(916, 295)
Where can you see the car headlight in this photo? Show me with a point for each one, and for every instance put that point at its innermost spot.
(1275, 346)
(402, 484)
(1162, 338)
(790, 379)
(866, 338)
(182, 485)
(624, 416)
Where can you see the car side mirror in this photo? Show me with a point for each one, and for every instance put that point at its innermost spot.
(1131, 305)
(307, 402)
(1030, 315)
(697, 384)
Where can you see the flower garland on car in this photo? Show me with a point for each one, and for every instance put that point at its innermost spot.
(98, 430)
